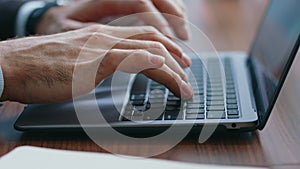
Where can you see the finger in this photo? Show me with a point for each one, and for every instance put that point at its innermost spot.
(129, 61)
(144, 43)
(152, 16)
(175, 15)
(156, 49)
(181, 4)
(172, 47)
(150, 33)
(171, 80)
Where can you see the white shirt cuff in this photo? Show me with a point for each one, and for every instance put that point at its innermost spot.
(23, 15)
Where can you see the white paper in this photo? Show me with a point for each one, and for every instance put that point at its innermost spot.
(41, 158)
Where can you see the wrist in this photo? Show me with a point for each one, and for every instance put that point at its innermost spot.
(33, 22)
(51, 22)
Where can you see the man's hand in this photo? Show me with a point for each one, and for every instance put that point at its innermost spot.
(165, 15)
(40, 69)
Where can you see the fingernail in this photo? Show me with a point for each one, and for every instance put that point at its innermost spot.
(157, 60)
(186, 60)
(187, 90)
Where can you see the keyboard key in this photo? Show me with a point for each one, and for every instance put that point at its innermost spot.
(173, 103)
(215, 103)
(198, 92)
(158, 96)
(210, 90)
(215, 94)
(137, 97)
(172, 108)
(139, 108)
(195, 101)
(215, 84)
(231, 96)
(234, 117)
(215, 108)
(157, 105)
(137, 116)
(138, 102)
(129, 106)
(215, 114)
(232, 106)
(153, 114)
(230, 91)
(173, 115)
(173, 98)
(128, 113)
(151, 117)
(215, 98)
(232, 112)
(197, 97)
(154, 101)
(137, 113)
(195, 111)
(231, 101)
(157, 87)
(195, 116)
(126, 118)
(230, 86)
(157, 91)
(195, 106)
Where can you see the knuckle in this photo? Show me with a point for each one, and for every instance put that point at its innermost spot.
(183, 76)
(181, 14)
(88, 36)
(183, 9)
(109, 61)
(157, 45)
(94, 28)
(177, 77)
(97, 35)
(91, 36)
(141, 53)
(141, 57)
(143, 2)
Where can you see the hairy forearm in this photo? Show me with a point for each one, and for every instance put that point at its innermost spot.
(5, 52)
(29, 70)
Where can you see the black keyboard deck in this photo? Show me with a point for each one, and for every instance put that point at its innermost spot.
(215, 96)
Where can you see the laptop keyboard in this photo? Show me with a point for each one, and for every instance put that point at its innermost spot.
(214, 98)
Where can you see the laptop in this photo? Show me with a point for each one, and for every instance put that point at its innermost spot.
(235, 91)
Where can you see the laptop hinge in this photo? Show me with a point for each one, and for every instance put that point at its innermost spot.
(256, 90)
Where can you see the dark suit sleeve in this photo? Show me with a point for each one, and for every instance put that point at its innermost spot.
(8, 13)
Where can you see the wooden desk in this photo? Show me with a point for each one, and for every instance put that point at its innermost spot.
(231, 25)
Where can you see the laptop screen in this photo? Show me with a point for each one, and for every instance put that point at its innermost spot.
(273, 46)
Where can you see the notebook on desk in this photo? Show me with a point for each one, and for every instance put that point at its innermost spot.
(237, 91)
(27, 157)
